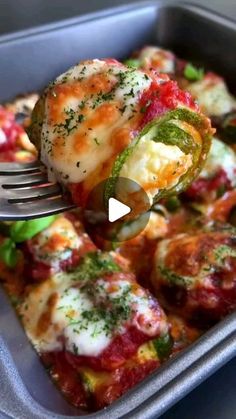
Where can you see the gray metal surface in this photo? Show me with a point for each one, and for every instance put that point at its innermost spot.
(26, 193)
(24, 14)
(214, 398)
(29, 62)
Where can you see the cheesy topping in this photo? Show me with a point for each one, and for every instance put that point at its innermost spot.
(84, 316)
(212, 95)
(90, 112)
(152, 225)
(223, 157)
(56, 242)
(157, 226)
(200, 267)
(154, 166)
(158, 58)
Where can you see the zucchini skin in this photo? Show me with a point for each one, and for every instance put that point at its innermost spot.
(164, 130)
(102, 387)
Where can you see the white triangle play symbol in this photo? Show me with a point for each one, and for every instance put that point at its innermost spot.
(116, 209)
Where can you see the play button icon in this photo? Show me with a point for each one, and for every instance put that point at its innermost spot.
(117, 210)
(122, 216)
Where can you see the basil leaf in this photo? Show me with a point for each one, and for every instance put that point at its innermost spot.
(173, 203)
(25, 230)
(94, 265)
(193, 73)
(132, 62)
(163, 346)
(8, 253)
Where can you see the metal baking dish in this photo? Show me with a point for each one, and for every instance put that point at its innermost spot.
(28, 61)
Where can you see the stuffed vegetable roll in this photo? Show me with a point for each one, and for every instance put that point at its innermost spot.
(99, 323)
(217, 176)
(194, 274)
(102, 120)
(153, 57)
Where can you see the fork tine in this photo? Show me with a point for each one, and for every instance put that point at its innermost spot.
(36, 209)
(26, 193)
(17, 168)
(21, 181)
(29, 194)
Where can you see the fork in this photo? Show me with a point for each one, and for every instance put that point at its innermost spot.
(26, 193)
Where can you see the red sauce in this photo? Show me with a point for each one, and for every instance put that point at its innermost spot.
(11, 130)
(115, 355)
(117, 383)
(121, 381)
(66, 377)
(39, 271)
(112, 61)
(213, 296)
(203, 188)
(139, 252)
(221, 208)
(205, 314)
(161, 98)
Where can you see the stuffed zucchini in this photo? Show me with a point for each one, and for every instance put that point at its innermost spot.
(194, 274)
(217, 176)
(153, 57)
(99, 323)
(101, 120)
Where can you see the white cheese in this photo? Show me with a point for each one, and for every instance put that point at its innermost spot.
(56, 243)
(84, 336)
(84, 319)
(154, 165)
(86, 149)
(160, 59)
(222, 157)
(152, 225)
(212, 96)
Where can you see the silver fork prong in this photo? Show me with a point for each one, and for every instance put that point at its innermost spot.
(18, 168)
(21, 181)
(36, 209)
(26, 193)
(29, 194)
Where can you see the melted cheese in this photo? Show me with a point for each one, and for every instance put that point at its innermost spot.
(157, 226)
(212, 95)
(223, 157)
(90, 112)
(155, 166)
(83, 318)
(201, 269)
(56, 242)
(152, 225)
(157, 58)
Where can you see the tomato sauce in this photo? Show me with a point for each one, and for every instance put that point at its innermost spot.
(115, 355)
(9, 134)
(163, 97)
(205, 188)
(40, 271)
(121, 381)
(66, 378)
(117, 382)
